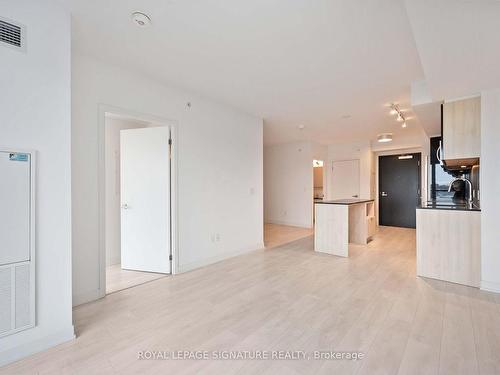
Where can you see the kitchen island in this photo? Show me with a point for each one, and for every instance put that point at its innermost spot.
(342, 221)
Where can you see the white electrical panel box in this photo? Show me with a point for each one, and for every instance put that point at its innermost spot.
(17, 241)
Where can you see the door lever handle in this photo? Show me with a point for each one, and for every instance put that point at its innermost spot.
(384, 194)
(125, 206)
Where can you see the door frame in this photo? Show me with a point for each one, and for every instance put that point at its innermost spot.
(423, 172)
(101, 183)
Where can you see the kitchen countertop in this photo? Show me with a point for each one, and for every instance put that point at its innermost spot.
(344, 201)
(449, 205)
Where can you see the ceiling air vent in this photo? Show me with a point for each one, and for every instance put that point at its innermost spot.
(11, 34)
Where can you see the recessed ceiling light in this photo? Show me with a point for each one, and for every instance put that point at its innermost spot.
(386, 137)
(301, 127)
(141, 19)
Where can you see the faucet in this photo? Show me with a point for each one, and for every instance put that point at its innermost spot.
(462, 178)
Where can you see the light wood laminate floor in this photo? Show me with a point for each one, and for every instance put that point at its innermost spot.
(290, 298)
(118, 279)
(276, 235)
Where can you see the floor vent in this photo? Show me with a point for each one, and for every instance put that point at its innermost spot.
(11, 34)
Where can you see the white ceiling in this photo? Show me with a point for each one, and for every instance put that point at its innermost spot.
(290, 62)
(459, 44)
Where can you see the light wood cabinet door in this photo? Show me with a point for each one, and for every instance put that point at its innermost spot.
(462, 129)
(449, 245)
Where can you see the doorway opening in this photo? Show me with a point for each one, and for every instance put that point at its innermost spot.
(318, 185)
(399, 178)
(137, 201)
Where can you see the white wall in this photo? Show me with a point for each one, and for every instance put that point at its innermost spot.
(319, 152)
(112, 160)
(490, 188)
(35, 114)
(288, 184)
(219, 169)
(353, 151)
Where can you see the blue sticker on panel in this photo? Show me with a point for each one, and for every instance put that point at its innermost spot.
(18, 157)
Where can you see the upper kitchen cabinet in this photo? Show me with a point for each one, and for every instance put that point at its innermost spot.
(462, 132)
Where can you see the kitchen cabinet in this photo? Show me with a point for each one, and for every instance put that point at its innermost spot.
(461, 132)
(449, 245)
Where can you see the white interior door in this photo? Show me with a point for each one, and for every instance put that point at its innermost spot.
(145, 199)
(345, 179)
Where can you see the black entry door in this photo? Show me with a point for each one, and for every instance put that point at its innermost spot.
(399, 189)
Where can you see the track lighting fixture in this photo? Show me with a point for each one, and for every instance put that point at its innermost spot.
(395, 110)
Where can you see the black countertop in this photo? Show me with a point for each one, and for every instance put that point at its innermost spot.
(450, 205)
(344, 201)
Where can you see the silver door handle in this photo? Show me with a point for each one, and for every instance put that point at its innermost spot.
(438, 154)
(355, 196)
(384, 194)
(125, 206)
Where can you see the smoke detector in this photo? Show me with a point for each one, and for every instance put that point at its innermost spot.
(141, 19)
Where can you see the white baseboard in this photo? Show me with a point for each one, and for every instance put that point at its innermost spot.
(218, 258)
(79, 299)
(490, 286)
(289, 223)
(38, 345)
